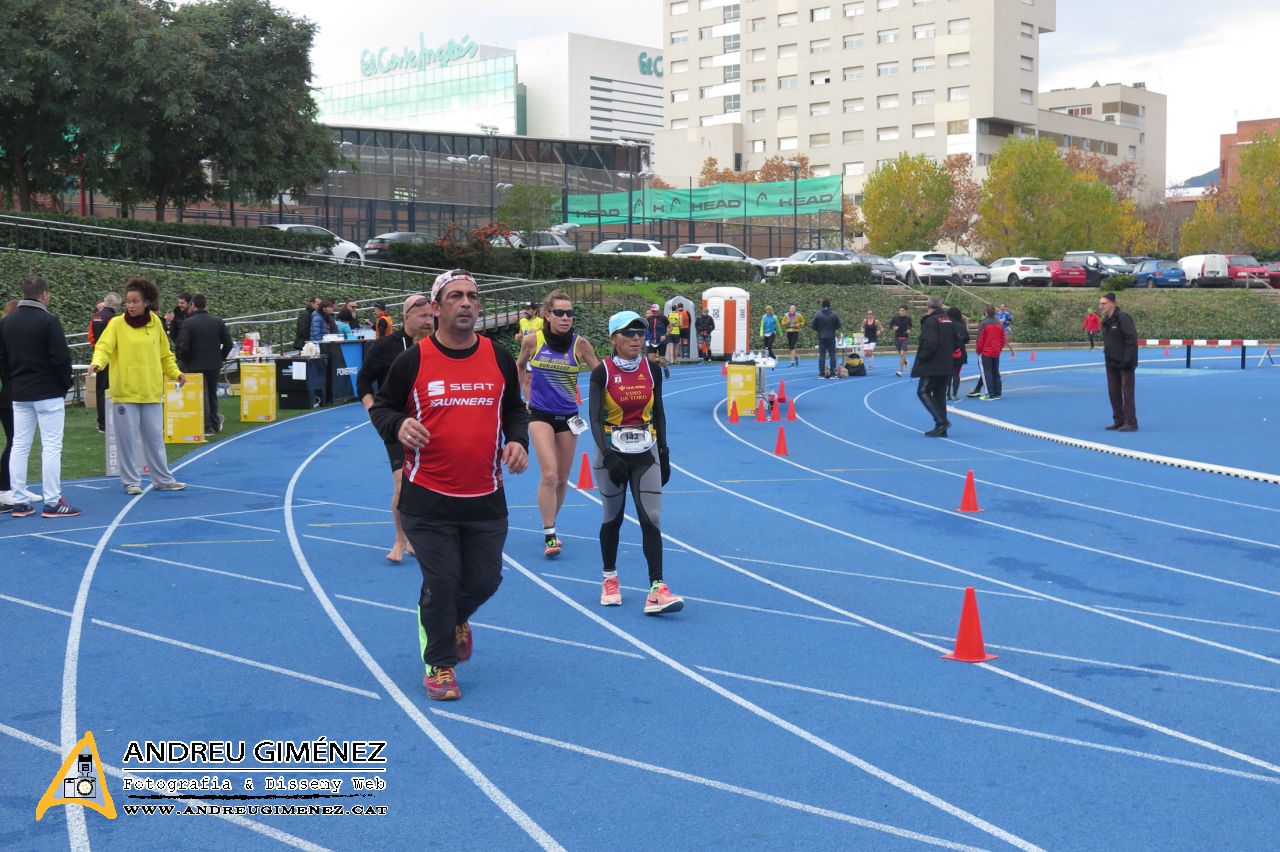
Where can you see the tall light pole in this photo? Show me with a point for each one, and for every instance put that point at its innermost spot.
(491, 131)
(794, 165)
(631, 145)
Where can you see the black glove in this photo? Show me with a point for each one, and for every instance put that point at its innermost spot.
(616, 467)
(664, 462)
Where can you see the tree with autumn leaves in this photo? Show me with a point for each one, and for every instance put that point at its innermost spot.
(1245, 216)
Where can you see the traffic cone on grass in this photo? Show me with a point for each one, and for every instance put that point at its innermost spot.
(584, 476)
(969, 647)
(969, 500)
(733, 412)
(780, 449)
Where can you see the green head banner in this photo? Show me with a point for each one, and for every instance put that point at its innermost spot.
(722, 201)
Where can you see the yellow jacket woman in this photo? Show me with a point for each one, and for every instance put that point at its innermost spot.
(140, 359)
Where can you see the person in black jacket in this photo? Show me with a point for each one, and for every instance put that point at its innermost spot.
(960, 355)
(1120, 351)
(826, 323)
(176, 317)
(6, 418)
(373, 374)
(704, 325)
(110, 307)
(203, 345)
(37, 361)
(933, 365)
(303, 331)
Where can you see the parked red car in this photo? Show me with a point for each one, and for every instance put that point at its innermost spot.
(1242, 266)
(1067, 273)
(1273, 273)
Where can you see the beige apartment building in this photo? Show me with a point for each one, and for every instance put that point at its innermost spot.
(853, 83)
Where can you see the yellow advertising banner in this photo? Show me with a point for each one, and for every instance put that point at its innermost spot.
(258, 393)
(742, 388)
(184, 411)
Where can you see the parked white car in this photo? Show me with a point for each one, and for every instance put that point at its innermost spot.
(807, 256)
(1206, 269)
(1015, 270)
(916, 266)
(542, 241)
(343, 250)
(647, 248)
(718, 251)
(968, 270)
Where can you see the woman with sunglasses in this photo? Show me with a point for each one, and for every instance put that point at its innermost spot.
(630, 430)
(554, 355)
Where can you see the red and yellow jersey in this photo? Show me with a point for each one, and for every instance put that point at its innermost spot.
(628, 397)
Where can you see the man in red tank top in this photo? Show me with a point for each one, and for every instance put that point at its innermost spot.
(453, 400)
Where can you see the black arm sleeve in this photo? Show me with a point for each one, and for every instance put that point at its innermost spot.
(374, 368)
(389, 406)
(595, 405)
(60, 353)
(659, 413)
(515, 416)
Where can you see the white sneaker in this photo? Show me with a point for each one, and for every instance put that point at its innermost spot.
(610, 592)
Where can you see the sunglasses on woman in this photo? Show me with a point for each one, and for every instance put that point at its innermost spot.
(631, 332)
(562, 312)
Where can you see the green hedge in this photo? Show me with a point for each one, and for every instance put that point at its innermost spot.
(826, 273)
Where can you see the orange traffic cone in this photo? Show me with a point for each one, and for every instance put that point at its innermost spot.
(760, 418)
(584, 476)
(775, 416)
(733, 412)
(724, 368)
(782, 391)
(780, 449)
(1166, 352)
(791, 410)
(969, 647)
(578, 394)
(1033, 356)
(969, 501)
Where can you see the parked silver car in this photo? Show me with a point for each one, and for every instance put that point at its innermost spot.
(807, 256)
(968, 270)
(718, 251)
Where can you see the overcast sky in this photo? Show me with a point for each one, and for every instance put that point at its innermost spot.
(1214, 61)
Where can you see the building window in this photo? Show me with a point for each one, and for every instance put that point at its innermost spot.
(819, 140)
(921, 2)
(854, 105)
(957, 26)
(957, 60)
(679, 8)
(788, 20)
(732, 103)
(705, 33)
(820, 78)
(820, 171)
(679, 96)
(858, 168)
(757, 146)
(787, 143)
(732, 73)
(852, 10)
(758, 86)
(679, 124)
(958, 128)
(757, 25)
(757, 54)
(819, 108)
(922, 63)
(706, 61)
(854, 41)
(958, 93)
(1133, 152)
(757, 116)
(887, 102)
(680, 37)
(788, 111)
(732, 43)
(886, 134)
(1026, 96)
(820, 45)
(702, 90)
(924, 31)
(887, 69)
(984, 159)
(882, 5)
(787, 82)
(1027, 63)
(923, 131)
(923, 97)
(851, 137)
(1027, 30)
(820, 14)
(887, 36)
(732, 13)
(786, 51)
(855, 72)
(679, 66)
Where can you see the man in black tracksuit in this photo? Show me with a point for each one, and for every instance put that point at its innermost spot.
(203, 344)
(934, 366)
(1120, 350)
(303, 332)
(825, 324)
(704, 325)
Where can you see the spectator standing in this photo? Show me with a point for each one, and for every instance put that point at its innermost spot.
(37, 363)
(110, 306)
(346, 322)
(960, 355)
(6, 419)
(322, 321)
(792, 322)
(303, 333)
(202, 348)
(901, 325)
(673, 335)
(1092, 325)
(705, 324)
(988, 348)
(176, 317)
(933, 365)
(686, 328)
(825, 325)
(1006, 322)
(1120, 351)
(655, 338)
(135, 346)
(383, 325)
(452, 503)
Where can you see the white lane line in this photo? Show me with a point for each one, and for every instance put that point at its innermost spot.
(1034, 684)
(1016, 455)
(760, 712)
(1123, 666)
(595, 538)
(233, 491)
(880, 577)
(265, 830)
(1128, 515)
(66, 613)
(1189, 618)
(473, 773)
(720, 786)
(642, 590)
(183, 519)
(245, 661)
(209, 520)
(381, 547)
(483, 626)
(90, 487)
(994, 726)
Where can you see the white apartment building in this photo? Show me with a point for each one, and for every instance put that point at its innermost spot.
(853, 83)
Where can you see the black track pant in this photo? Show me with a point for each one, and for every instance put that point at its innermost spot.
(6, 416)
(645, 482)
(932, 391)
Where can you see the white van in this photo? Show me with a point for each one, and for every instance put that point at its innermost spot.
(1206, 270)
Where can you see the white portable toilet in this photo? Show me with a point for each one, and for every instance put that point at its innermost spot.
(689, 346)
(730, 308)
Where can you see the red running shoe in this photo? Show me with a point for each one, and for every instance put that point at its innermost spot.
(610, 592)
(661, 600)
(441, 684)
(463, 642)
